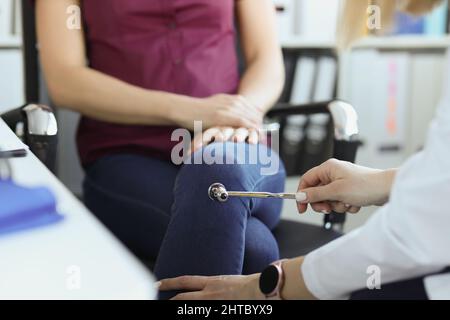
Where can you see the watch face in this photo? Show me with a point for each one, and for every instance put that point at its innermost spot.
(269, 280)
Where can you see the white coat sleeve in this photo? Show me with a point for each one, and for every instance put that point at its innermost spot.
(408, 237)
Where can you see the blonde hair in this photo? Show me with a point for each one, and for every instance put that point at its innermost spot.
(355, 14)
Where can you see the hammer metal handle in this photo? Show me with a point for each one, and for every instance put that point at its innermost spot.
(294, 196)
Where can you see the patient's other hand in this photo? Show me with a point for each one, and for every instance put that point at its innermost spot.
(344, 187)
(224, 134)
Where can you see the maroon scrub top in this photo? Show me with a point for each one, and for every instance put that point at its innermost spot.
(181, 46)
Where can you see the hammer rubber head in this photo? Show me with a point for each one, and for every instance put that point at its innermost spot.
(217, 192)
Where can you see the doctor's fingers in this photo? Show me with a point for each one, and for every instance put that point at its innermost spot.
(322, 207)
(341, 207)
(321, 193)
(354, 209)
(319, 207)
(314, 177)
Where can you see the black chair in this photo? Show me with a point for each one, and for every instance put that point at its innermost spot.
(36, 126)
(294, 238)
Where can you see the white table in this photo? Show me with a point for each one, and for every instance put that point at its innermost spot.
(74, 259)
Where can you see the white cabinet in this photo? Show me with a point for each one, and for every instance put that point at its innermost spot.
(394, 84)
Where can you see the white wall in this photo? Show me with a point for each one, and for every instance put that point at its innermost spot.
(11, 64)
(11, 79)
(312, 20)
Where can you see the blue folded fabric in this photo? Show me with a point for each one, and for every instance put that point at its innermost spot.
(25, 208)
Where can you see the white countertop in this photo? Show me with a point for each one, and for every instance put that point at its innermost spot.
(77, 258)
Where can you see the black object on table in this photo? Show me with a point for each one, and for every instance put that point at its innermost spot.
(19, 153)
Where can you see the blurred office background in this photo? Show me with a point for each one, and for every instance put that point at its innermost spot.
(393, 81)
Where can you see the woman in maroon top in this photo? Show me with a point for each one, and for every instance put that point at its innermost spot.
(138, 69)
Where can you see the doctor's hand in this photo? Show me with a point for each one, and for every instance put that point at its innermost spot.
(344, 187)
(214, 288)
(224, 134)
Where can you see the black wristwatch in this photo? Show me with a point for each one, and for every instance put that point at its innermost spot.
(271, 281)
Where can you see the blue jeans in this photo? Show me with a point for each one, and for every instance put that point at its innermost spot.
(161, 210)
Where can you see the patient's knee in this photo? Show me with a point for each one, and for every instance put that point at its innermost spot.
(231, 164)
(220, 162)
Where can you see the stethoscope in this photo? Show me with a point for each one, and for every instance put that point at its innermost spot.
(218, 192)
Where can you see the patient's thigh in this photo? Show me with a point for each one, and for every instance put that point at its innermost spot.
(132, 195)
(137, 177)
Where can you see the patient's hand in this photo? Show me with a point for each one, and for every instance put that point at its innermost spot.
(344, 187)
(224, 134)
(220, 110)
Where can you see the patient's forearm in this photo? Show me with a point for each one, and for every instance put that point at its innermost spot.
(263, 79)
(262, 82)
(103, 97)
